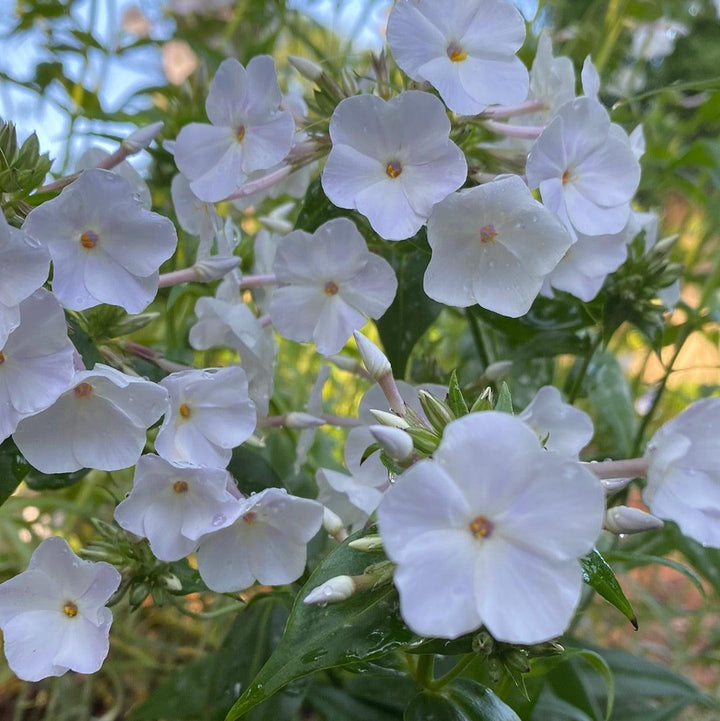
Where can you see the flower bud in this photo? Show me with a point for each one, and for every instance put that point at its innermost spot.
(367, 544)
(425, 441)
(376, 362)
(335, 589)
(215, 267)
(390, 419)
(396, 443)
(485, 402)
(307, 68)
(497, 371)
(298, 419)
(517, 660)
(613, 485)
(437, 412)
(333, 525)
(171, 582)
(276, 225)
(142, 137)
(622, 519)
(483, 643)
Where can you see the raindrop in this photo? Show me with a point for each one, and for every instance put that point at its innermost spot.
(218, 519)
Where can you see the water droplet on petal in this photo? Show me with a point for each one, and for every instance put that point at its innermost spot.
(219, 519)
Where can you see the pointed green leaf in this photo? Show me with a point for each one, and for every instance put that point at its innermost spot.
(364, 627)
(598, 574)
(504, 400)
(463, 700)
(456, 400)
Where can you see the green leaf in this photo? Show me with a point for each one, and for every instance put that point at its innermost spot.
(204, 689)
(252, 472)
(504, 400)
(336, 703)
(53, 481)
(12, 469)
(456, 400)
(463, 700)
(598, 574)
(364, 627)
(412, 312)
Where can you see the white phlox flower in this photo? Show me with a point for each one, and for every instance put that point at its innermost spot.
(331, 284)
(209, 414)
(53, 615)
(100, 422)
(174, 505)
(656, 40)
(494, 525)
(354, 497)
(267, 543)
(36, 361)
(93, 156)
(392, 161)
(24, 267)
(231, 324)
(466, 49)
(585, 169)
(105, 247)
(194, 216)
(492, 245)
(248, 131)
(683, 478)
(561, 428)
(588, 261)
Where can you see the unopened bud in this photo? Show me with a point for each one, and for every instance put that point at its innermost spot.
(497, 371)
(483, 643)
(623, 519)
(142, 137)
(215, 267)
(367, 544)
(425, 441)
(390, 419)
(437, 411)
(517, 660)
(335, 589)
(395, 442)
(613, 485)
(307, 68)
(664, 245)
(298, 419)
(171, 582)
(333, 525)
(484, 402)
(376, 362)
(138, 594)
(549, 648)
(276, 225)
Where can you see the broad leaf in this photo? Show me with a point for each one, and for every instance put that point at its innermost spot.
(365, 626)
(598, 574)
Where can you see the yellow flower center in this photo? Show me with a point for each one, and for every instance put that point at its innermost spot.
(566, 177)
(481, 527)
(488, 234)
(70, 609)
(393, 168)
(185, 410)
(456, 54)
(2, 357)
(82, 390)
(249, 517)
(180, 487)
(240, 135)
(89, 239)
(331, 288)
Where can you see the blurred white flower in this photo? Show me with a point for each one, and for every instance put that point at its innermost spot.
(24, 267)
(331, 284)
(99, 422)
(53, 615)
(683, 478)
(36, 361)
(392, 161)
(655, 40)
(492, 245)
(248, 131)
(209, 414)
(585, 168)
(174, 504)
(105, 247)
(494, 525)
(560, 427)
(466, 49)
(267, 543)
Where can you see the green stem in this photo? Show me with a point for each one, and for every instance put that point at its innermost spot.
(454, 672)
(477, 338)
(424, 671)
(577, 386)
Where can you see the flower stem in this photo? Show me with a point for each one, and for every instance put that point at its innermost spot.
(628, 468)
(424, 671)
(525, 132)
(454, 672)
(512, 111)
